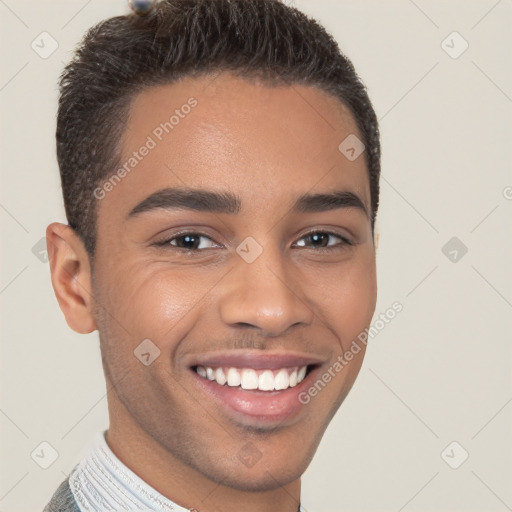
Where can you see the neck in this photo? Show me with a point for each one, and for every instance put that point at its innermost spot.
(182, 484)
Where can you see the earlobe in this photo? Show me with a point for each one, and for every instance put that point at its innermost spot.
(71, 276)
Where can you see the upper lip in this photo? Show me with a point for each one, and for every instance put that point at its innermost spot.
(256, 359)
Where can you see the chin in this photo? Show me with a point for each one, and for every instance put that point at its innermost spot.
(265, 474)
(262, 479)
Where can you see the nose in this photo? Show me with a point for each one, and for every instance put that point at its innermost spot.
(263, 295)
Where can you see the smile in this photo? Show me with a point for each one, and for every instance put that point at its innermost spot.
(248, 378)
(255, 388)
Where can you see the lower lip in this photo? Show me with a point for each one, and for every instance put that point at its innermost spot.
(254, 405)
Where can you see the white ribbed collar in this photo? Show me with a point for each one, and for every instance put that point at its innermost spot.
(102, 483)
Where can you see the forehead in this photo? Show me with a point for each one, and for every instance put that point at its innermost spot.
(226, 133)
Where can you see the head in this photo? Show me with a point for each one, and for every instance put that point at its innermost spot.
(216, 220)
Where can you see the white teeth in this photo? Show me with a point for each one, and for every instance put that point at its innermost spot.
(247, 378)
(234, 378)
(266, 381)
(282, 380)
(220, 377)
(293, 378)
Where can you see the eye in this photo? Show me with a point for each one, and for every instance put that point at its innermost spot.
(194, 241)
(323, 239)
(188, 241)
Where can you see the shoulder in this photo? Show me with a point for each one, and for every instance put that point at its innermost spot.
(62, 500)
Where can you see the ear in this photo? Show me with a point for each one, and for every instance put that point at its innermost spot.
(71, 276)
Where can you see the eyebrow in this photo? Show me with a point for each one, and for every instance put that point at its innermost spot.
(227, 202)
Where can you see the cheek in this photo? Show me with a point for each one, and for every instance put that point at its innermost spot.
(345, 297)
(152, 300)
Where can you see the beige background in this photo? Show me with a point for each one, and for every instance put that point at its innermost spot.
(439, 372)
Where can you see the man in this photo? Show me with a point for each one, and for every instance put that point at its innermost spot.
(220, 171)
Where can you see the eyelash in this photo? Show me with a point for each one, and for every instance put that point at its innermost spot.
(344, 241)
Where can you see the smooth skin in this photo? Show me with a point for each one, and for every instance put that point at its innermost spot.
(306, 293)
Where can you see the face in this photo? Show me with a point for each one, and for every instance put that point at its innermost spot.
(240, 245)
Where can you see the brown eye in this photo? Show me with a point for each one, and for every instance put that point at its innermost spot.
(319, 239)
(189, 242)
(322, 239)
